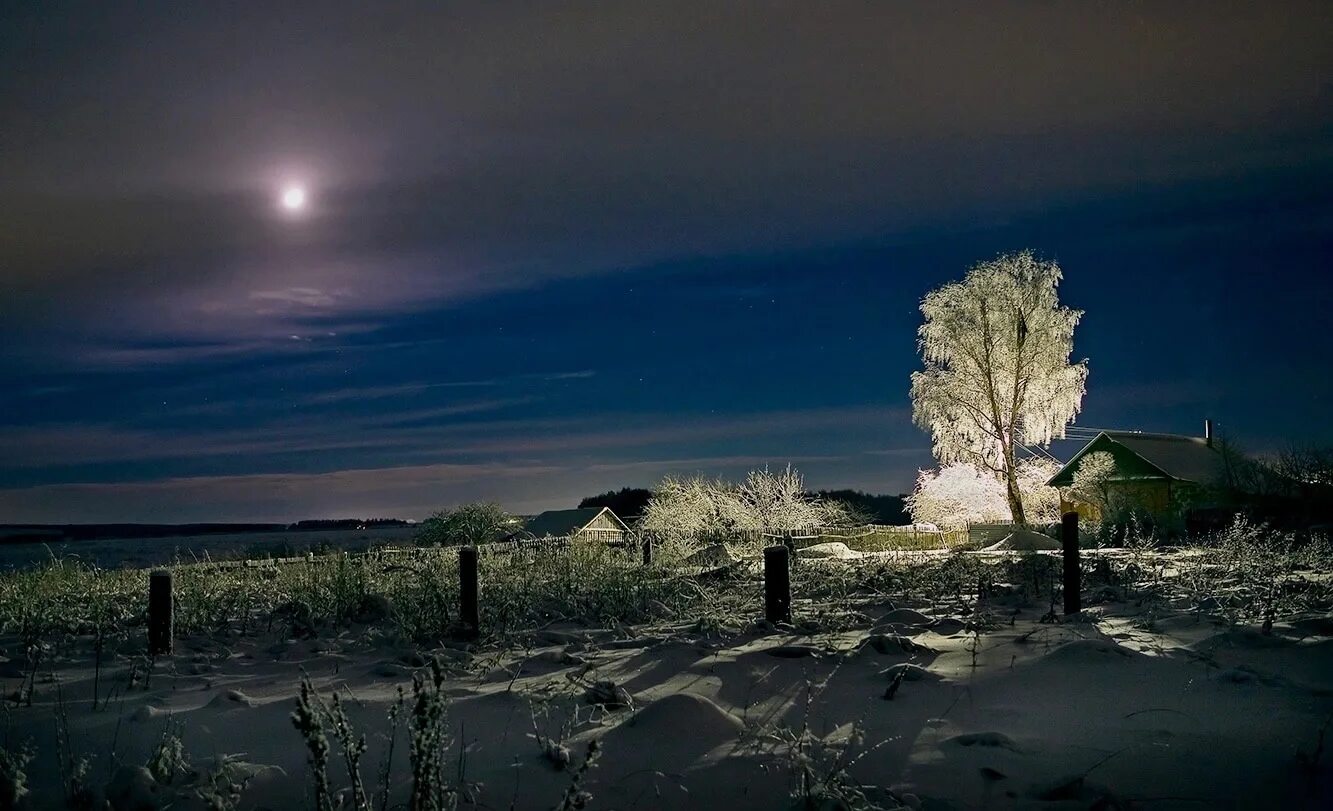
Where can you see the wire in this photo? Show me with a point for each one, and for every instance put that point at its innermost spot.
(1036, 452)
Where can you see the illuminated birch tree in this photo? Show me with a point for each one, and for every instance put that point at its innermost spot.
(996, 349)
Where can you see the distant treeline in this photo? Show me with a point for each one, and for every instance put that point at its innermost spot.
(629, 503)
(28, 533)
(884, 509)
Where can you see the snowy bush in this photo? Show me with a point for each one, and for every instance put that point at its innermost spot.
(960, 494)
(470, 524)
(687, 512)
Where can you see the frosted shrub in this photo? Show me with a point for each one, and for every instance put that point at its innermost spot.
(960, 494)
(686, 513)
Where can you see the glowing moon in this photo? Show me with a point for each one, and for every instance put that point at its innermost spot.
(293, 198)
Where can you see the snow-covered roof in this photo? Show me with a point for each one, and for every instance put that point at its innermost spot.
(1170, 456)
(559, 523)
(1187, 458)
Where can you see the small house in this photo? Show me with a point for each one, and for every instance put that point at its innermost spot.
(586, 524)
(1160, 475)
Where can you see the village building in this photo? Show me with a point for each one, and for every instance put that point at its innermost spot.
(585, 524)
(1159, 475)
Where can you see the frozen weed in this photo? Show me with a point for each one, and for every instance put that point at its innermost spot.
(168, 760)
(576, 796)
(221, 787)
(14, 775)
(309, 721)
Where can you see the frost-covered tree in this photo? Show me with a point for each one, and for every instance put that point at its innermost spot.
(698, 509)
(776, 502)
(996, 348)
(1041, 502)
(687, 508)
(959, 494)
(471, 524)
(1092, 480)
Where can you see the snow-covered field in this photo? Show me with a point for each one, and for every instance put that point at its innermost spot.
(1128, 705)
(144, 552)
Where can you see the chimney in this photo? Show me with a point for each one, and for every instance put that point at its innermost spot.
(1208, 432)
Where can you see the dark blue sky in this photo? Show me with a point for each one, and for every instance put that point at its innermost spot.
(552, 250)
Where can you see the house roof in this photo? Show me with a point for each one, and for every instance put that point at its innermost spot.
(559, 523)
(1150, 456)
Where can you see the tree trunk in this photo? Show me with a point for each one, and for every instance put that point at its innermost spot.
(1012, 491)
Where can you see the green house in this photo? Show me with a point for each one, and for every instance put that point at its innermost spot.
(1161, 475)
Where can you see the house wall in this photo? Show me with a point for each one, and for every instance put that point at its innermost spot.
(1086, 511)
(605, 521)
(602, 528)
(1160, 498)
(1152, 497)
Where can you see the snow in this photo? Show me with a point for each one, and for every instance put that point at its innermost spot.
(833, 549)
(1024, 540)
(1173, 710)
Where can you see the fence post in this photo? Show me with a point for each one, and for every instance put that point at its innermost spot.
(1069, 542)
(777, 584)
(161, 623)
(469, 610)
(647, 550)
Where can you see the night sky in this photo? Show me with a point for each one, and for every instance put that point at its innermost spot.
(550, 250)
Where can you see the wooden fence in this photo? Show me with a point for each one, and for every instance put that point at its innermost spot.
(535, 546)
(777, 581)
(913, 536)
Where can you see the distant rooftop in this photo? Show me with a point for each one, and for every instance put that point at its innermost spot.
(559, 523)
(1173, 456)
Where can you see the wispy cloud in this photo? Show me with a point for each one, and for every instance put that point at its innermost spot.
(412, 491)
(105, 354)
(708, 464)
(382, 392)
(428, 434)
(81, 443)
(406, 389)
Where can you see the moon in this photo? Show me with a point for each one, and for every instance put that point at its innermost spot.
(293, 198)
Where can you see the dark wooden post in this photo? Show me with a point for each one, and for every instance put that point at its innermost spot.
(469, 591)
(1069, 541)
(777, 584)
(647, 550)
(161, 624)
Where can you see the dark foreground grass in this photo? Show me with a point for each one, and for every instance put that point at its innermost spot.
(417, 592)
(1249, 572)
